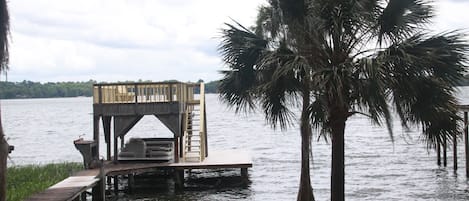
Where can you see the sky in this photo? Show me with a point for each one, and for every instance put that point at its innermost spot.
(118, 40)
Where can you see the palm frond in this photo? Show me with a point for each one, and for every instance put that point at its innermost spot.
(319, 116)
(369, 92)
(292, 10)
(279, 84)
(4, 34)
(401, 18)
(240, 50)
(422, 72)
(268, 23)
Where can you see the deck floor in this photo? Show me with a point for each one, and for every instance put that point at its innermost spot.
(216, 159)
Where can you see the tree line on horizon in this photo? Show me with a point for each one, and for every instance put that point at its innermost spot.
(30, 89)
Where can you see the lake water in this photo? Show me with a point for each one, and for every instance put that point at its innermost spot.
(42, 131)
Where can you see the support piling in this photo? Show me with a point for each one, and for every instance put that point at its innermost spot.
(466, 142)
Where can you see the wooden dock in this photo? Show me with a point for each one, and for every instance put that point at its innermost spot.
(119, 107)
(75, 186)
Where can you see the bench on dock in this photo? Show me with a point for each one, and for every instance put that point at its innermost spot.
(148, 149)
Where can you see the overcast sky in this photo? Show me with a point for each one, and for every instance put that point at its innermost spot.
(111, 40)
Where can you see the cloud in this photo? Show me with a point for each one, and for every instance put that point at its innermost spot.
(451, 15)
(111, 40)
(55, 40)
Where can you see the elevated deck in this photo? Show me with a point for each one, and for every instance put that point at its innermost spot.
(153, 98)
(120, 106)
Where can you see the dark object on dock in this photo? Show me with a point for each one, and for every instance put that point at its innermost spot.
(11, 148)
(88, 150)
(148, 150)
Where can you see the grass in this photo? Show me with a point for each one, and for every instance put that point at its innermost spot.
(23, 181)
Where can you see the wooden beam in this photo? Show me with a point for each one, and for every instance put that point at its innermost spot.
(466, 141)
(122, 124)
(96, 132)
(107, 135)
(116, 152)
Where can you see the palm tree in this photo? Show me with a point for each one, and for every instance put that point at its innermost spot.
(342, 58)
(4, 148)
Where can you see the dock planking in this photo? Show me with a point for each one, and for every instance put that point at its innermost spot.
(72, 187)
(216, 160)
(69, 189)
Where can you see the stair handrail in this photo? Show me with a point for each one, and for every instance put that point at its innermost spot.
(202, 122)
(186, 125)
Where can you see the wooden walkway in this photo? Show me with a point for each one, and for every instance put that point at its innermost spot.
(72, 187)
(68, 189)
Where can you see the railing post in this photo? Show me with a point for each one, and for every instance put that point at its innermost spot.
(203, 141)
(136, 93)
(100, 95)
(170, 93)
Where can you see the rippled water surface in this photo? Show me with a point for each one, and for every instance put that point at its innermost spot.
(42, 131)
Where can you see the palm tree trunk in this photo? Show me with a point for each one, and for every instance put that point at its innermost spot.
(338, 172)
(305, 192)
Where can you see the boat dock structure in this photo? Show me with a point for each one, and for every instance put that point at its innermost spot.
(118, 107)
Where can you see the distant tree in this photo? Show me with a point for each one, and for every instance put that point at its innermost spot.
(4, 147)
(212, 87)
(342, 58)
(29, 89)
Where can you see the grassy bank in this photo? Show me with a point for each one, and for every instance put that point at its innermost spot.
(23, 181)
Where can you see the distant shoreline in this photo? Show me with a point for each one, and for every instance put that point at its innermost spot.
(29, 89)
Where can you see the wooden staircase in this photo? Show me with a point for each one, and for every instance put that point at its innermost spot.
(195, 130)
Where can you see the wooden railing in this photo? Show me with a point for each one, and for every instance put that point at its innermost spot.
(154, 92)
(203, 125)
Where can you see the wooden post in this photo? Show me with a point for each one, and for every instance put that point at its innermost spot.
(116, 184)
(244, 173)
(83, 196)
(131, 182)
(115, 148)
(455, 152)
(444, 152)
(170, 93)
(466, 141)
(136, 93)
(96, 133)
(122, 141)
(438, 151)
(99, 190)
(100, 95)
(107, 135)
(179, 179)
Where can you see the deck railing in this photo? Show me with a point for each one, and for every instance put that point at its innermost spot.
(154, 92)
